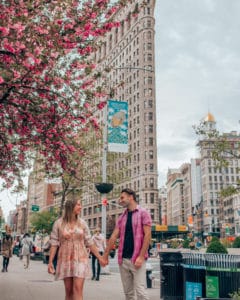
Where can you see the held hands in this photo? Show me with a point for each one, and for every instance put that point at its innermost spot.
(51, 269)
(103, 262)
(105, 257)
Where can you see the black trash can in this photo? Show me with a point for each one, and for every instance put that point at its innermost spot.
(194, 271)
(171, 275)
(222, 275)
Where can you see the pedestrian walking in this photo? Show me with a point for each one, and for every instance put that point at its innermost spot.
(133, 229)
(26, 249)
(71, 237)
(100, 243)
(7, 248)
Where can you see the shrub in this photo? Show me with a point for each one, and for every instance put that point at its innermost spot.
(236, 243)
(174, 244)
(235, 295)
(226, 243)
(186, 243)
(214, 238)
(216, 247)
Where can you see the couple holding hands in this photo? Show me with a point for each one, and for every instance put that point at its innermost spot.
(71, 241)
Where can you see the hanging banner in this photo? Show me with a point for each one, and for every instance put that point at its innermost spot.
(117, 126)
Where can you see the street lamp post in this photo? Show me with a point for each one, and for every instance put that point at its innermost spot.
(105, 146)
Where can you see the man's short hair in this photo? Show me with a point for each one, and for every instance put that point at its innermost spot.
(130, 192)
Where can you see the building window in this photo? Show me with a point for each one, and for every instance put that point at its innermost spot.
(151, 182)
(152, 198)
(152, 213)
(151, 154)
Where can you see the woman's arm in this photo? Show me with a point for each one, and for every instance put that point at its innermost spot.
(54, 241)
(52, 254)
(94, 250)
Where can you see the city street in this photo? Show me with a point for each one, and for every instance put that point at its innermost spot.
(36, 284)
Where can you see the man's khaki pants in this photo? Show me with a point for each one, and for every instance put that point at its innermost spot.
(133, 280)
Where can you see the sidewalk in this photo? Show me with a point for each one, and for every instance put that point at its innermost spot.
(36, 284)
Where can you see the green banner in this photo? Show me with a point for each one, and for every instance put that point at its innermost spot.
(212, 287)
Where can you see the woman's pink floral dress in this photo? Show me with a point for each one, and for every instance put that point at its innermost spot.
(73, 254)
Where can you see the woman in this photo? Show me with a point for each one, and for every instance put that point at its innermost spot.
(71, 236)
(7, 246)
(25, 251)
(100, 243)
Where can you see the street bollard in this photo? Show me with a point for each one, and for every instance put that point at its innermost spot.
(149, 275)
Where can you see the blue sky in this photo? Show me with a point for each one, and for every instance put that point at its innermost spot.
(197, 70)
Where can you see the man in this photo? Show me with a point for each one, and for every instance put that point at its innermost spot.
(133, 229)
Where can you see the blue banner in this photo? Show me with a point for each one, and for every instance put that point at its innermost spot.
(117, 126)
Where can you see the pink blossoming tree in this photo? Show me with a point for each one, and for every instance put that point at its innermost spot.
(47, 79)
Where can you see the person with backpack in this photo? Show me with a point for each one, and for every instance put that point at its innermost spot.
(27, 246)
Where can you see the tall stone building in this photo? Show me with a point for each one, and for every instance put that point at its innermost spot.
(215, 177)
(128, 52)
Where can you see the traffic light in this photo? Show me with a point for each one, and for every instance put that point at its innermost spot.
(104, 202)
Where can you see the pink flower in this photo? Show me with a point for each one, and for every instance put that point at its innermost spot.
(1, 80)
(9, 147)
(18, 26)
(4, 30)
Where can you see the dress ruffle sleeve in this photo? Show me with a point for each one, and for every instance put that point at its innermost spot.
(54, 237)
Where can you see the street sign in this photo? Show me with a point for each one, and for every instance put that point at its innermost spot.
(35, 207)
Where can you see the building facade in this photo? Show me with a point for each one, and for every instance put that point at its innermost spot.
(216, 176)
(128, 52)
(179, 195)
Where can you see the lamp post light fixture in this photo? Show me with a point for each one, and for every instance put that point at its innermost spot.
(104, 188)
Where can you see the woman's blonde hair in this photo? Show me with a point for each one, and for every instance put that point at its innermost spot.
(68, 210)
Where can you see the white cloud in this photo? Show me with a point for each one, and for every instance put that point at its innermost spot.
(197, 70)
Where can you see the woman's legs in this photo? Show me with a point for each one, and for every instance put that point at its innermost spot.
(68, 283)
(27, 260)
(6, 263)
(98, 268)
(78, 288)
(93, 266)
